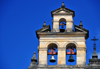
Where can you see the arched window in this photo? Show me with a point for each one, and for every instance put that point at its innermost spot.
(52, 54)
(62, 25)
(71, 54)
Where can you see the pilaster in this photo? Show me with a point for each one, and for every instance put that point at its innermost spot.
(42, 56)
(61, 56)
(56, 26)
(69, 26)
(81, 55)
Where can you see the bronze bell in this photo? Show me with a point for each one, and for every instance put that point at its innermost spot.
(71, 59)
(52, 58)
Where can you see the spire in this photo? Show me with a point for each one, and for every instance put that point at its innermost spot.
(81, 25)
(94, 61)
(94, 45)
(44, 25)
(63, 5)
(33, 61)
(94, 54)
(34, 58)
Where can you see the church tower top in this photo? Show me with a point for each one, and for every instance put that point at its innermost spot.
(65, 10)
(62, 23)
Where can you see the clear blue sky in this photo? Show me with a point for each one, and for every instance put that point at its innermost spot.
(19, 19)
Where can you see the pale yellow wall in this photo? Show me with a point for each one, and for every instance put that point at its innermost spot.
(56, 26)
(61, 56)
(43, 57)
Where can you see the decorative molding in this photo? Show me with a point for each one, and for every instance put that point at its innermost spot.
(65, 45)
(81, 48)
(42, 49)
(50, 43)
(61, 49)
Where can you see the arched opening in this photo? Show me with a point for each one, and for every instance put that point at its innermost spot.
(52, 54)
(62, 25)
(71, 54)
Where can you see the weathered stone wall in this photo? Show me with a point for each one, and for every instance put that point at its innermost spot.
(69, 22)
(64, 67)
(62, 41)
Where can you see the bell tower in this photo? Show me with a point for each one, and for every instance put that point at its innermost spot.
(62, 40)
(63, 14)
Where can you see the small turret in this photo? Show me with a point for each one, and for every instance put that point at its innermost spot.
(33, 61)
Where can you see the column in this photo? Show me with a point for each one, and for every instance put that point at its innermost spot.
(61, 56)
(69, 26)
(56, 26)
(42, 56)
(81, 56)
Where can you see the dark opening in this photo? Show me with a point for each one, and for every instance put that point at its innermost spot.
(62, 26)
(62, 30)
(71, 50)
(52, 46)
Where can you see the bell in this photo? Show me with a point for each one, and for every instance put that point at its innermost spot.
(52, 59)
(71, 59)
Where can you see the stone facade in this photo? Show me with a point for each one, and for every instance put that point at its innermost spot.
(62, 41)
(68, 20)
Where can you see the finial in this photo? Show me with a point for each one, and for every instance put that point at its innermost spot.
(63, 5)
(44, 24)
(81, 25)
(34, 53)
